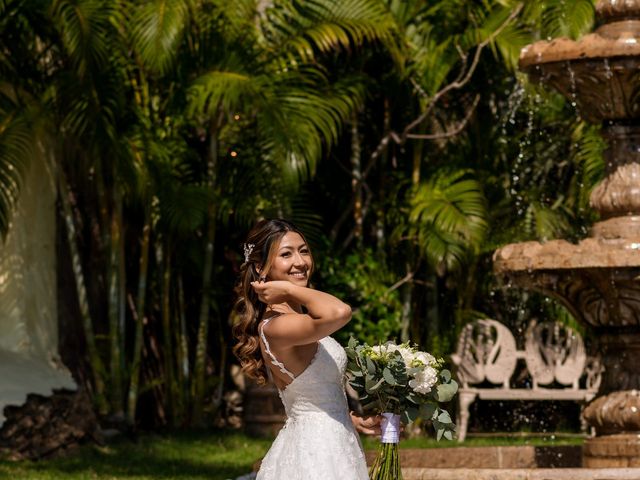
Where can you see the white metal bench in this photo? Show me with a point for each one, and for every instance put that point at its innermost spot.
(553, 353)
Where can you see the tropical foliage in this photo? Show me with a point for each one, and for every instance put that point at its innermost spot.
(396, 133)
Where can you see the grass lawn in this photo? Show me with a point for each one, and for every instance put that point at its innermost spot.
(179, 456)
(195, 455)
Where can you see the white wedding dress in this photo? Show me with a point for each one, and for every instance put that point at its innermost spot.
(318, 441)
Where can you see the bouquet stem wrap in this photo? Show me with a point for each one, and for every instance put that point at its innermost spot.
(386, 466)
(390, 427)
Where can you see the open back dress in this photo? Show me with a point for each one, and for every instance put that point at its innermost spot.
(318, 440)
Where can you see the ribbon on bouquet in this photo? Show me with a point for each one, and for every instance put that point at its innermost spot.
(390, 426)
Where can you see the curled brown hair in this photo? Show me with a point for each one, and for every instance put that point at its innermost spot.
(264, 240)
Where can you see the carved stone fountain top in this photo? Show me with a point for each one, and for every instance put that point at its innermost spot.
(606, 58)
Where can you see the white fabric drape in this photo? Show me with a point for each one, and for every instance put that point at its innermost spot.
(29, 360)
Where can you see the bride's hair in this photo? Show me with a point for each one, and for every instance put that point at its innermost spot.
(260, 249)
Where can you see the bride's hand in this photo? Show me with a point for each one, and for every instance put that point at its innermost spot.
(369, 425)
(276, 291)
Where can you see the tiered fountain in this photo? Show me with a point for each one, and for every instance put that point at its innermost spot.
(598, 280)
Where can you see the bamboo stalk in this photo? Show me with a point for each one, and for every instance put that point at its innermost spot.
(132, 398)
(182, 348)
(115, 337)
(167, 344)
(198, 389)
(97, 367)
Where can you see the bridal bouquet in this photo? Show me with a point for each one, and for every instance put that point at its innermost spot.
(400, 383)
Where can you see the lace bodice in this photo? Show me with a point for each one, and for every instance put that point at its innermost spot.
(320, 388)
(318, 440)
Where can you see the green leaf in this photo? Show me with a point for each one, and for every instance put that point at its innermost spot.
(410, 414)
(444, 417)
(388, 377)
(445, 391)
(428, 410)
(374, 388)
(371, 367)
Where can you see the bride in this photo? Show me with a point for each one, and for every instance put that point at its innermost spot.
(283, 335)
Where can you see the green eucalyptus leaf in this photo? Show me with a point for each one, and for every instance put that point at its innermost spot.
(371, 367)
(445, 375)
(376, 386)
(388, 376)
(445, 391)
(444, 417)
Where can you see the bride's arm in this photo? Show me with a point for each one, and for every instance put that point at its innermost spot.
(325, 313)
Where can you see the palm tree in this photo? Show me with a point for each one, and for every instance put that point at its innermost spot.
(145, 101)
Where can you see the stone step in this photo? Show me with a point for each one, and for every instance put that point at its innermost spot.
(521, 474)
(510, 457)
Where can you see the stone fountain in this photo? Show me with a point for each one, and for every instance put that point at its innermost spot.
(598, 279)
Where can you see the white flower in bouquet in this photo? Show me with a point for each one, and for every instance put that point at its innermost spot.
(424, 380)
(425, 358)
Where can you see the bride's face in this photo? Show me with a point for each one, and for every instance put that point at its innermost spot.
(293, 261)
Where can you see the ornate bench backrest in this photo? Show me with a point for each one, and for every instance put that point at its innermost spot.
(554, 352)
(486, 351)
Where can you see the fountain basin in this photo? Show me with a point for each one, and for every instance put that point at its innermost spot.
(600, 72)
(590, 253)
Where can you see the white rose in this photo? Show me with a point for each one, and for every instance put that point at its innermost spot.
(424, 380)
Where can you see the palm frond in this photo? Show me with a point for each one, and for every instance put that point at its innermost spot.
(16, 149)
(228, 91)
(303, 29)
(587, 155)
(547, 222)
(567, 18)
(157, 30)
(305, 114)
(448, 216)
(86, 27)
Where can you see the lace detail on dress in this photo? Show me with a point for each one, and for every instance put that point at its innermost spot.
(267, 349)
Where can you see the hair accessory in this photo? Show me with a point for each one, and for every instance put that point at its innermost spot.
(248, 248)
